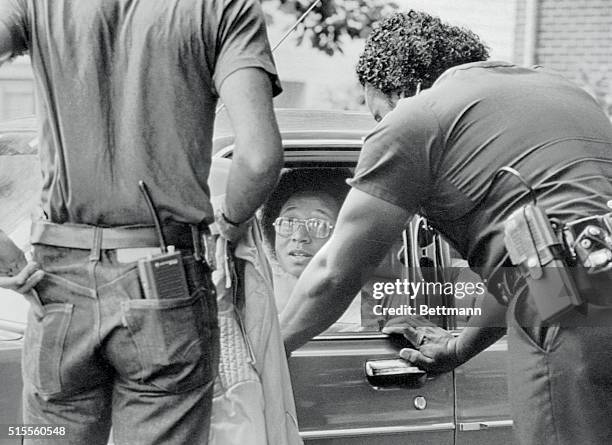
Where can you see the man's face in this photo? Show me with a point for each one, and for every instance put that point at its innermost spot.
(295, 251)
(379, 103)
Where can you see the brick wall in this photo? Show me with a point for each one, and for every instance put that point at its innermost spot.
(519, 31)
(573, 37)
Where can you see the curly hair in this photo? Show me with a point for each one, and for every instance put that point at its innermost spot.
(414, 47)
(329, 181)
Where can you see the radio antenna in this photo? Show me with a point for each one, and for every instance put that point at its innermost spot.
(284, 37)
(160, 233)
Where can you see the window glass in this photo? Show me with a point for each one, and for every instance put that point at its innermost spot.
(469, 288)
(379, 300)
(422, 281)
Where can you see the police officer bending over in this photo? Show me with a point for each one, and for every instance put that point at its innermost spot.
(126, 92)
(502, 160)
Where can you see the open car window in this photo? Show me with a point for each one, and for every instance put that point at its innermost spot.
(421, 281)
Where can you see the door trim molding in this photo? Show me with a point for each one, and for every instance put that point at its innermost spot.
(348, 432)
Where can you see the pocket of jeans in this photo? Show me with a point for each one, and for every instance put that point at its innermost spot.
(43, 347)
(543, 345)
(173, 341)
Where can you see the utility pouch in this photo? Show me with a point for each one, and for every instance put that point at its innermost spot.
(589, 241)
(535, 249)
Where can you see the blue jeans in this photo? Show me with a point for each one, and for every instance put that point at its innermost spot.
(96, 353)
(560, 378)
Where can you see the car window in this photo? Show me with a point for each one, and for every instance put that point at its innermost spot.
(379, 299)
(422, 280)
(412, 282)
(470, 289)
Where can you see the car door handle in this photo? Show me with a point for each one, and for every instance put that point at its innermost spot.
(477, 426)
(393, 372)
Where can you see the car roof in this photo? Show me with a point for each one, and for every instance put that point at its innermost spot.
(304, 124)
(295, 123)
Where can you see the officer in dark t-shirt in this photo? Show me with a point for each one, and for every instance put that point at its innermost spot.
(126, 92)
(436, 152)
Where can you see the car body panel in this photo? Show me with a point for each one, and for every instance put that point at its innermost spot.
(336, 404)
(483, 411)
(11, 344)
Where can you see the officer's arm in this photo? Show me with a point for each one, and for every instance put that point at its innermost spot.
(258, 154)
(365, 230)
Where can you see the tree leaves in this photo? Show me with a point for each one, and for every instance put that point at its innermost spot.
(332, 21)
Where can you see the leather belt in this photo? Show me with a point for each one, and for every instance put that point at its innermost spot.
(82, 236)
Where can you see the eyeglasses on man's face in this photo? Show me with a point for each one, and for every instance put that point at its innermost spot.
(316, 227)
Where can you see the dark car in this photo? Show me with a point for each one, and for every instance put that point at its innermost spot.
(348, 387)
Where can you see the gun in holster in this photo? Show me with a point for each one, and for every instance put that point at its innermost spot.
(559, 262)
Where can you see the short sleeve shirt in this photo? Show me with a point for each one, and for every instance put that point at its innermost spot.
(127, 91)
(437, 154)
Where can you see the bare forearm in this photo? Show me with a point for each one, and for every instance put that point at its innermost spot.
(250, 182)
(258, 152)
(482, 331)
(311, 310)
(473, 340)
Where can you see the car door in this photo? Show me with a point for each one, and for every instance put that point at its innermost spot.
(483, 409)
(337, 400)
(481, 391)
(336, 404)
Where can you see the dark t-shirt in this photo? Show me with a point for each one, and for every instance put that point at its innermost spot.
(436, 154)
(126, 91)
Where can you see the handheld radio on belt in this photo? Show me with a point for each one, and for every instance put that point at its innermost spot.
(553, 259)
(162, 275)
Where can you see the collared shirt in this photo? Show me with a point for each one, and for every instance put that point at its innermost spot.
(437, 154)
(126, 91)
